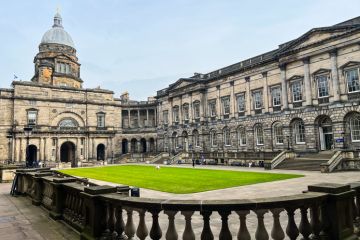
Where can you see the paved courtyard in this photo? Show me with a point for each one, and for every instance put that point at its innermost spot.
(19, 219)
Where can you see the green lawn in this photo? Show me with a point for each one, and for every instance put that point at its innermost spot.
(174, 179)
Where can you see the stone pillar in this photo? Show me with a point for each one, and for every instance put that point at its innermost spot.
(170, 113)
(147, 118)
(16, 150)
(129, 113)
(232, 100)
(266, 92)
(21, 147)
(191, 109)
(180, 111)
(156, 112)
(57, 152)
(284, 90)
(45, 150)
(335, 76)
(40, 149)
(138, 143)
(77, 151)
(218, 104)
(203, 104)
(307, 82)
(248, 96)
(139, 121)
(93, 148)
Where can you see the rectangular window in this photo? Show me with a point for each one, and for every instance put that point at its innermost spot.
(296, 90)
(352, 78)
(53, 153)
(276, 96)
(101, 120)
(257, 96)
(212, 108)
(176, 114)
(54, 142)
(81, 151)
(82, 141)
(241, 102)
(166, 117)
(32, 115)
(186, 111)
(196, 110)
(322, 84)
(226, 105)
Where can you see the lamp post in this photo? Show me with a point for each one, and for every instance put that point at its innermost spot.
(27, 131)
(9, 137)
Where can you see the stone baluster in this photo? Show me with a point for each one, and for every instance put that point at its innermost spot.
(291, 228)
(188, 231)
(277, 233)
(130, 226)
(142, 230)
(119, 225)
(304, 227)
(225, 233)
(315, 221)
(106, 222)
(243, 233)
(111, 221)
(261, 233)
(206, 233)
(155, 232)
(171, 233)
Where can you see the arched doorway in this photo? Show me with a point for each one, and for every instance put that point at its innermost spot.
(124, 146)
(143, 145)
(133, 145)
(100, 152)
(325, 133)
(67, 153)
(32, 155)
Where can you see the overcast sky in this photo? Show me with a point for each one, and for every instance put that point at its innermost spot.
(142, 46)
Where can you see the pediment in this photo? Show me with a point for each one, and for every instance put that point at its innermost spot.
(321, 71)
(181, 83)
(312, 37)
(349, 64)
(295, 77)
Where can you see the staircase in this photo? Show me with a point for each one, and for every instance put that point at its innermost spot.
(306, 161)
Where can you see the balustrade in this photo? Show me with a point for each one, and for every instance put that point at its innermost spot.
(99, 211)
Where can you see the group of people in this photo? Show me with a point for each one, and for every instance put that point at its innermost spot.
(35, 164)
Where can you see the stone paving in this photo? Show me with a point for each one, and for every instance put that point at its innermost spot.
(19, 219)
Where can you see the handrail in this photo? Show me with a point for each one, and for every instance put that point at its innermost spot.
(333, 162)
(281, 157)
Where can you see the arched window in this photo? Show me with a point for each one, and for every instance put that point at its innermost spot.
(354, 122)
(196, 139)
(278, 133)
(213, 138)
(175, 139)
(259, 134)
(227, 137)
(299, 131)
(68, 123)
(241, 136)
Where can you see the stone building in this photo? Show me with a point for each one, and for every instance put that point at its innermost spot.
(303, 96)
(68, 123)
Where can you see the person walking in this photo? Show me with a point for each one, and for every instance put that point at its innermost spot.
(193, 162)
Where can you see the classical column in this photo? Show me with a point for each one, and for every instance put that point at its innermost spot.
(248, 96)
(191, 108)
(203, 104)
(218, 112)
(93, 148)
(129, 112)
(16, 150)
(57, 152)
(156, 117)
(180, 111)
(307, 82)
(139, 121)
(147, 118)
(77, 150)
(266, 92)
(21, 159)
(284, 94)
(41, 149)
(335, 75)
(170, 113)
(232, 100)
(44, 150)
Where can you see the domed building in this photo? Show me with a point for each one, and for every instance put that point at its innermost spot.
(56, 63)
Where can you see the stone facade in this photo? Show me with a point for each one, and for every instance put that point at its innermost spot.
(303, 95)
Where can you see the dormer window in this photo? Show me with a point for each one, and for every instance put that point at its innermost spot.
(63, 68)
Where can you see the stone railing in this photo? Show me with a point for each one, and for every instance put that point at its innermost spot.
(160, 156)
(278, 159)
(334, 161)
(324, 211)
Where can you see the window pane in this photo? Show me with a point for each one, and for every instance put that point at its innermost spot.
(276, 96)
(299, 132)
(241, 102)
(259, 135)
(352, 77)
(296, 91)
(322, 82)
(278, 132)
(226, 105)
(355, 128)
(257, 100)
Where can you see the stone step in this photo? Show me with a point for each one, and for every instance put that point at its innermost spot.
(302, 164)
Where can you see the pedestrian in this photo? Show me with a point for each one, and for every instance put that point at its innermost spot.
(193, 162)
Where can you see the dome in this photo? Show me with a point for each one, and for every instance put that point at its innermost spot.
(57, 34)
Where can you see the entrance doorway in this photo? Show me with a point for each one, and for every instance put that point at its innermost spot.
(124, 146)
(143, 145)
(32, 151)
(67, 153)
(100, 152)
(325, 133)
